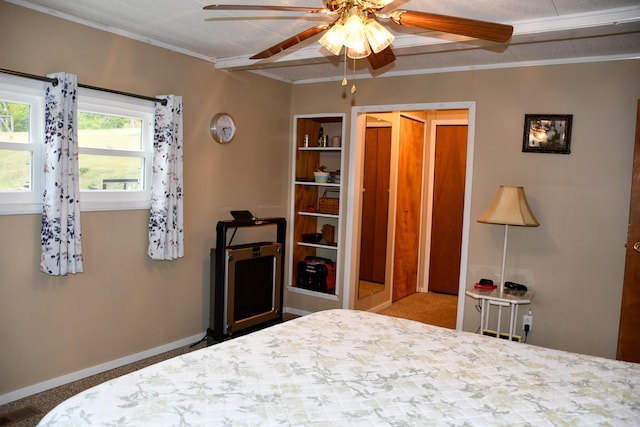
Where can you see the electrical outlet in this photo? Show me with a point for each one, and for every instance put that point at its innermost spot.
(527, 319)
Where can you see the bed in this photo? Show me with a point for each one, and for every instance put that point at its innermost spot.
(355, 368)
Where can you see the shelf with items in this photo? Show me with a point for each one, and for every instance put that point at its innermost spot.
(318, 214)
(320, 150)
(310, 221)
(315, 231)
(316, 184)
(311, 161)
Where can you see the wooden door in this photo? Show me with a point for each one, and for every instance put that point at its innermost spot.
(448, 207)
(408, 208)
(629, 336)
(375, 204)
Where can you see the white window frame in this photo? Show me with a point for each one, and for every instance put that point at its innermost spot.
(25, 90)
(99, 102)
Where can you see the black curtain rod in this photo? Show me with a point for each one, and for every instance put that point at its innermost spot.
(55, 83)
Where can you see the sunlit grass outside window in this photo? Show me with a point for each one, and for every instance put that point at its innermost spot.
(15, 154)
(110, 172)
(110, 149)
(15, 170)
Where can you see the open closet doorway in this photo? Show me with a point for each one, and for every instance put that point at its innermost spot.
(411, 195)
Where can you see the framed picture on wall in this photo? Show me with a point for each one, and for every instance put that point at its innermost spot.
(547, 133)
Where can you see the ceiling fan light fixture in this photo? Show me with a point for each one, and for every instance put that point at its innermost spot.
(354, 33)
(333, 39)
(379, 3)
(359, 53)
(379, 37)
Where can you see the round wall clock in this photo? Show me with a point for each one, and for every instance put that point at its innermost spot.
(222, 128)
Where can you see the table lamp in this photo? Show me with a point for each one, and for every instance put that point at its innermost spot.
(509, 207)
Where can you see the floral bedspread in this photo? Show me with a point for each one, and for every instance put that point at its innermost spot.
(354, 368)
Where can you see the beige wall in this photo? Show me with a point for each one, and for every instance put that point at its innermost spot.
(575, 260)
(124, 302)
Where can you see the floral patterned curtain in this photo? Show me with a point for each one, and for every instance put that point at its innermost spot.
(166, 237)
(60, 235)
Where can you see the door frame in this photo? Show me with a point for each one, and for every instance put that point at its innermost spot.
(356, 152)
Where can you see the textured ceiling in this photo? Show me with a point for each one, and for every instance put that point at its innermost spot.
(545, 31)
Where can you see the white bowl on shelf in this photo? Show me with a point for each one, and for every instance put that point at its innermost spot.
(322, 177)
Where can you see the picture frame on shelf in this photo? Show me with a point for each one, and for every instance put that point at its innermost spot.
(547, 133)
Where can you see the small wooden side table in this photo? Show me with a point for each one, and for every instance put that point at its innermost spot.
(488, 298)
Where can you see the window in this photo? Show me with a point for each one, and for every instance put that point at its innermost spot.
(15, 133)
(21, 133)
(115, 138)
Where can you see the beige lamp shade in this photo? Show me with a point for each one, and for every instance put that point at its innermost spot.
(510, 207)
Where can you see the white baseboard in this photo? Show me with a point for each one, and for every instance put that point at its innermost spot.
(74, 376)
(296, 311)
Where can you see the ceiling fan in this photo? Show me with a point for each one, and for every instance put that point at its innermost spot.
(364, 14)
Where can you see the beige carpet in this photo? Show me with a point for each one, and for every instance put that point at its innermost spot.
(29, 411)
(432, 308)
(366, 288)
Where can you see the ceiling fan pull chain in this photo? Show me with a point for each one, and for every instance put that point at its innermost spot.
(353, 88)
(344, 78)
